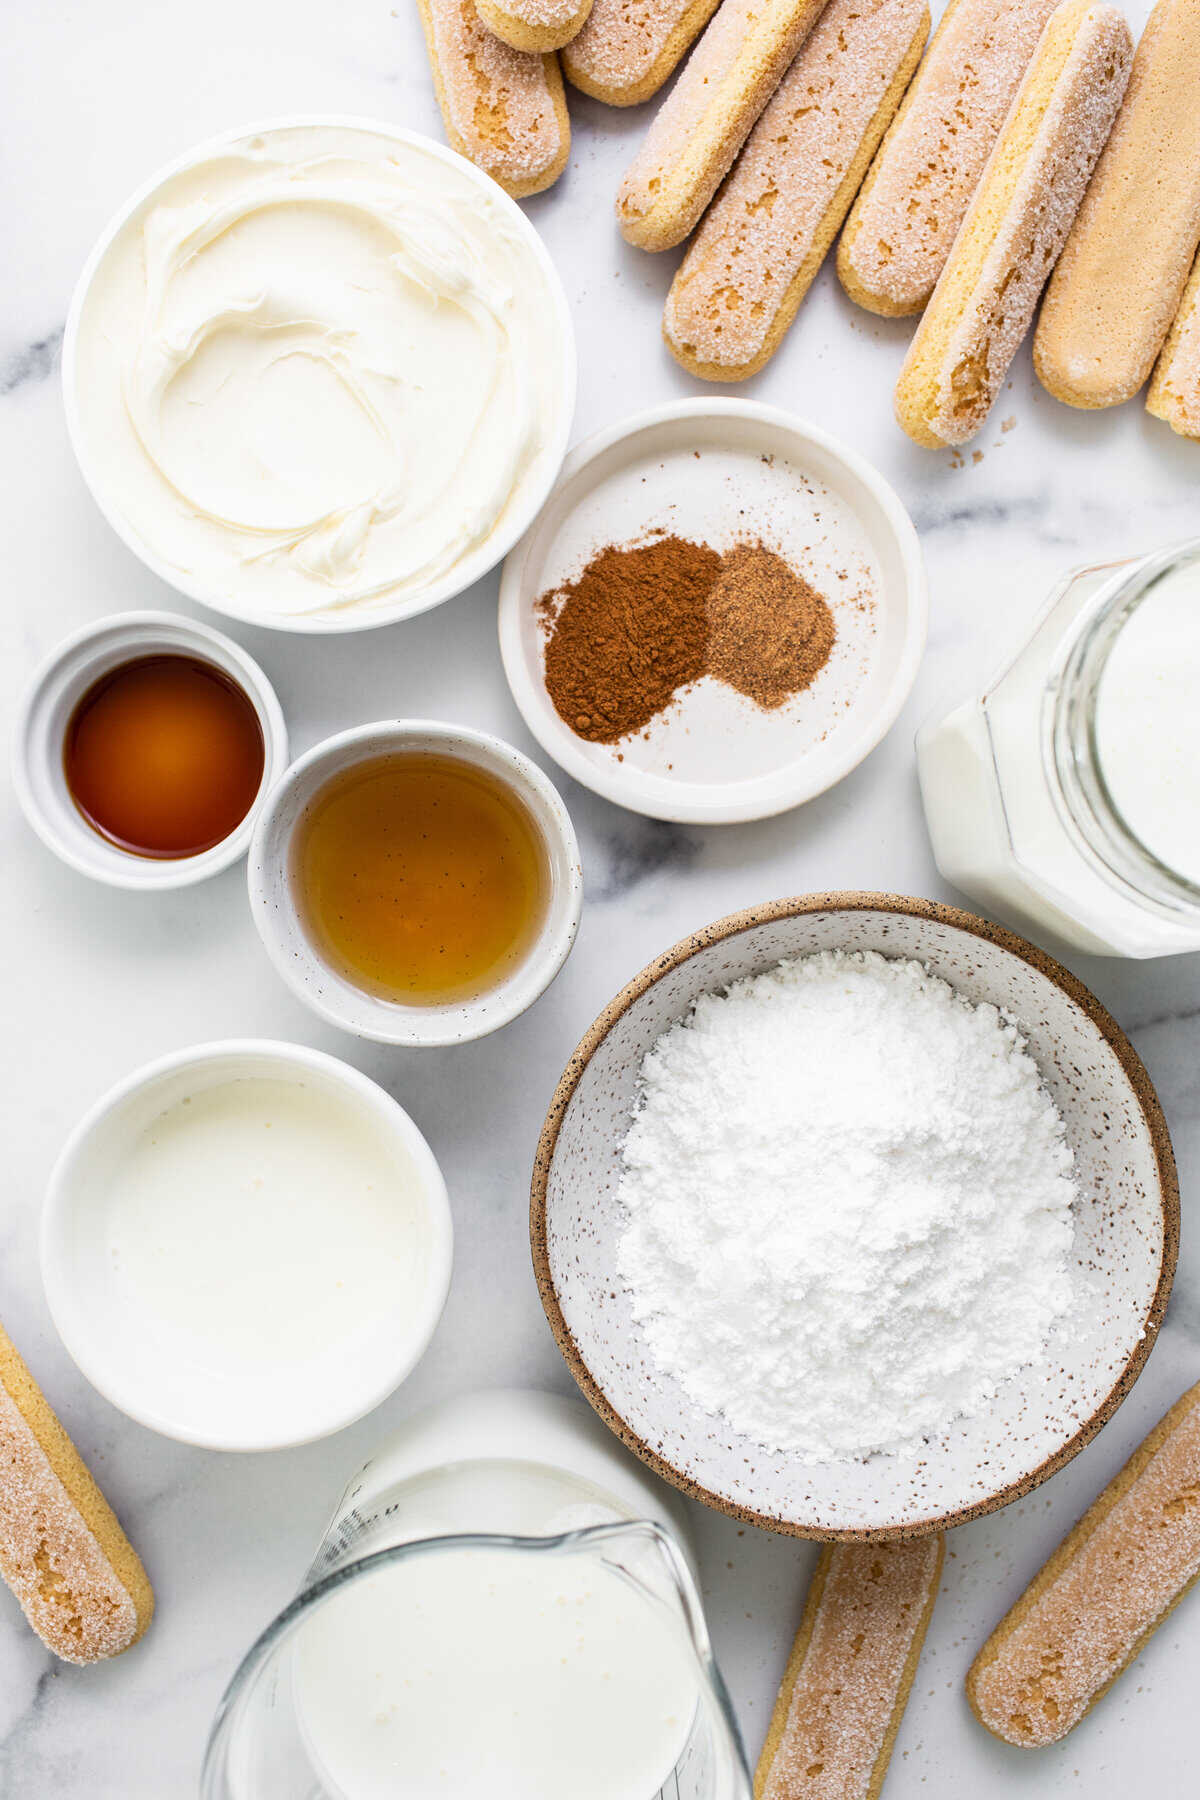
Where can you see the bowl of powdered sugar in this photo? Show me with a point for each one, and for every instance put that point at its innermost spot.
(855, 1215)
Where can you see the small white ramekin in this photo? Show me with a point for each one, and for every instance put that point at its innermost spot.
(665, 439)
(277, 913)
(471, 567)
(61, 682)
(117, 1352)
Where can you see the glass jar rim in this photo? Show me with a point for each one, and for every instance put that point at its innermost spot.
(1070, 748)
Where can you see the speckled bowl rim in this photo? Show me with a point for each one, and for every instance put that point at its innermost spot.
(852, 902)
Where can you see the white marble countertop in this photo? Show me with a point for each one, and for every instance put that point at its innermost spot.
(94, 99)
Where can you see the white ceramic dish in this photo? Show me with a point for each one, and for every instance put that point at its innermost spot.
(522, 509)
(718, 471)
(1126, 1231)
(135, 1358)
(62, 680)
(276, 913)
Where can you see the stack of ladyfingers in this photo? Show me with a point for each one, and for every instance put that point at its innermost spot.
(1028, 150)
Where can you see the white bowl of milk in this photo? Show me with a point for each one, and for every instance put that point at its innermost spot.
(246, 1245)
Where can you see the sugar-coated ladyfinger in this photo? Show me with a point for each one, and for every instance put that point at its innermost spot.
(848, 1678)
(1175, 390)
(1108, 1586)
(537, 25)
(71, 1567)
(765, 236)
(912, 202)
(705, 120)
(1121, 276)
(502, 108)
(627, 48)
(1016, 224)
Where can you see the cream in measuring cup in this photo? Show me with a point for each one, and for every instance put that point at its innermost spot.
(502, 1609)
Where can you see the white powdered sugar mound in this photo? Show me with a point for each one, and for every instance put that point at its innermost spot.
(849, 1205)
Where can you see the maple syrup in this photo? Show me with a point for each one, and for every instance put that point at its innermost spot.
(422, 878)
(164, 756)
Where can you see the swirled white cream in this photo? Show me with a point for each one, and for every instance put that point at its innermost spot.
(317, 370)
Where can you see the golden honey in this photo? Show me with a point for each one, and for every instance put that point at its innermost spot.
(422, 878)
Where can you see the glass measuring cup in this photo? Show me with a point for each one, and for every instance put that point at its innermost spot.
(562, 1649)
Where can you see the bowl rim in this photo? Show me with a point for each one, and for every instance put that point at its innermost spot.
(265, 1054)
(335, 623)
(463, 1021)
(148, 633)
(851, 901)
(714, 803)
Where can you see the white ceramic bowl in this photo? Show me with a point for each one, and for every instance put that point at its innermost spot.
(119, 1350)
(470, 568)
(55, 690)
(717, 470)
(1126, 1230)
(277, 914)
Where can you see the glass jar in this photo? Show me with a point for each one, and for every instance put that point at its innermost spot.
(1065, 798)
(503, 1603)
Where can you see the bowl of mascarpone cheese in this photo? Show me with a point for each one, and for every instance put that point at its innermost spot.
(319, 374)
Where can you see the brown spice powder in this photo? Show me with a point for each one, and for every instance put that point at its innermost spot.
(627, 635)
(771, 631)
(643, 622)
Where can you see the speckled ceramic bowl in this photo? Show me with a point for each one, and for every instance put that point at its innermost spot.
(1126, 1232)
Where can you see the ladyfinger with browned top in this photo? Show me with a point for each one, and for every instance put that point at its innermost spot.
(705, 120)
(1121, 276)
(1107, 1588)
(1016, 224)
(503, 109)
(627, 48)
(1175, 390)
(536, 25)
(850, 1672)
(765, 236)
(76, 1575)
(918, 188)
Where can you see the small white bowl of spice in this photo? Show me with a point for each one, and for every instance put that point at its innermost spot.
(719, 612)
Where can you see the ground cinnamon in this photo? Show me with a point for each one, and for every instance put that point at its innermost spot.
(627, 635)
(644, 621)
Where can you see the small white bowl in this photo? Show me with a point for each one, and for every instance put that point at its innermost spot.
(716, 471)
(126, 1354)
(55, 690)
(276, 912)
(90, 456)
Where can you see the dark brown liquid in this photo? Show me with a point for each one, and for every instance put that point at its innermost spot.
(164, 756)
(422, 878)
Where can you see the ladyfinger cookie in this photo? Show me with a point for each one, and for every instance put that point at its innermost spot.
(628, 47)
(912, 202)
(1121, 276)
(71, 1567)
(536, 25)
(1175, 390)
(1109, 1585)
(765, 236)
(848, 1678)
(705, 120)
(1016, 224)
(504, 109)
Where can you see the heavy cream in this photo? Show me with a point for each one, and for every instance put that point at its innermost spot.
(318, 371)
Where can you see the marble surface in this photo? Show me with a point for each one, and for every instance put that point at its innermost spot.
(95, 982)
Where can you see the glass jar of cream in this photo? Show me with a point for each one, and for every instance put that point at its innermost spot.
(1066, 795)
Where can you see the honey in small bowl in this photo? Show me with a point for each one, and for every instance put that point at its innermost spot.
(164, 756)
(422, 879)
